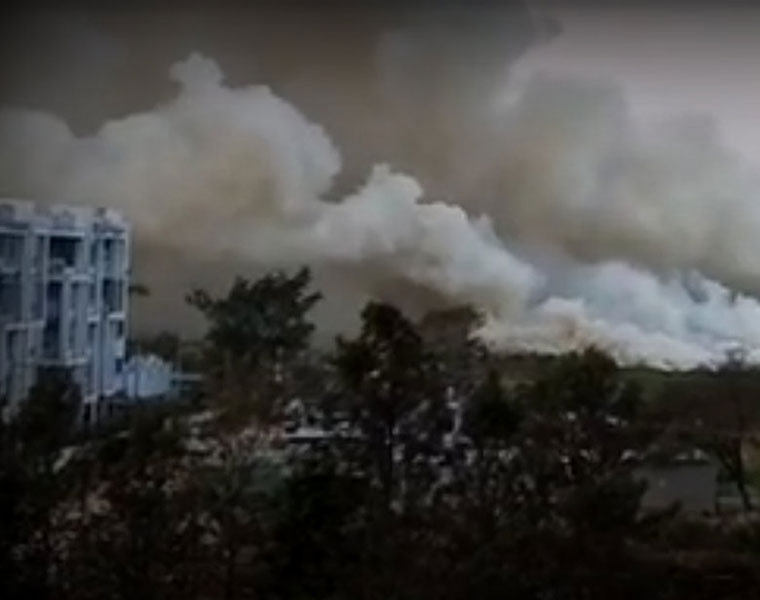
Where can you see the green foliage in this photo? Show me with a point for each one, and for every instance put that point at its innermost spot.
(317, 541)
(259, 320)
(433, 480)
(46, 420)
(719, 414)
(253, 332)
(490, 415)
(397, 402)
(579, 436)
(32, 481)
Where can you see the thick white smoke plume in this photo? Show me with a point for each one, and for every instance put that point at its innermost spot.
(583, 174)
(242, 171)
(636, 317)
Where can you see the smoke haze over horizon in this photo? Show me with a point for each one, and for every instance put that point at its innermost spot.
(545, 199)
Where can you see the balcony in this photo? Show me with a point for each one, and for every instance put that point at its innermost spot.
(9, 266)
(56, 267)
(53, 294)
(51, 341)
(10, 296)
(11, 253)
(113, 296)
(65, 253)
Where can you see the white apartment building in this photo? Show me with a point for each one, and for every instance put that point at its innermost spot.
(64, 275)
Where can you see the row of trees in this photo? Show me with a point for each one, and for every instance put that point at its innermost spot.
(425, 477)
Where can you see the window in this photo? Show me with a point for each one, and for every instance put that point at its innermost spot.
(37, 300)
(11, 348)
(108, 258)
(10, 295)
(54, 293)
(63, 251)
(11, 249)
(51, 339)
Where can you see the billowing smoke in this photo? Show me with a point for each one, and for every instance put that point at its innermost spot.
(576, 170)
(677, 322)
(590, 220)
(241, 171)
(402, 82)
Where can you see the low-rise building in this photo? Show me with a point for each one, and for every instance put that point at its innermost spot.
(148, 377)
(64, 276)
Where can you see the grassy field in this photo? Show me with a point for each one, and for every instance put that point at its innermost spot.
(717, 397)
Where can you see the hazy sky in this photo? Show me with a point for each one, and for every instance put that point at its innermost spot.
(688, 57)
(85, 63)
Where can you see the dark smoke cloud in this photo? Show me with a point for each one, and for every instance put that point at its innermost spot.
(597, 229)
(391, 81)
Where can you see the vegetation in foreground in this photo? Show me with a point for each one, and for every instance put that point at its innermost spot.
(425, 477)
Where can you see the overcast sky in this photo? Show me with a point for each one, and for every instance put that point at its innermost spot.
(86, 64)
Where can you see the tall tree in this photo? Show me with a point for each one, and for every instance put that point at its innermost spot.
(577, 443)
(396, 400)
(396, 420)
(253, 332)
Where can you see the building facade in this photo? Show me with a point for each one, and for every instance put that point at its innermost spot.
(64, 277)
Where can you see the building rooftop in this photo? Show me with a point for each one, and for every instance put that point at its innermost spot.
(15, 212)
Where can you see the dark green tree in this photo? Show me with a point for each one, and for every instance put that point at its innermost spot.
(397, 402)
(253, 332)
(580, 444)
(490, 424)
(240, 495)
(33, 481)
(138, 535)
(481, 523)
(396, 418)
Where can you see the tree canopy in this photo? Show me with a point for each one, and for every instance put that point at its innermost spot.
(414, 472)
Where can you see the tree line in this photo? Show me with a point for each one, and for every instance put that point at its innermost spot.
(390, 467)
